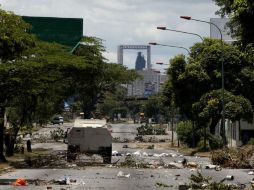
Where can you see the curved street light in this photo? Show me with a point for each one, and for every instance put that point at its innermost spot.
(165, 28)
(161, 63)
(155, 44)
(222, 72)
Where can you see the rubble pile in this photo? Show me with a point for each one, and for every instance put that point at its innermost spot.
(234, 158)
(198, 181)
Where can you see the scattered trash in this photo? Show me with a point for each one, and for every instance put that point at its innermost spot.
(163, 155)
(150, 154)
(251, 173)
(114, 153)
(174, 165)
(160, 184)
(177, 176)
(234, 158)
(229, 177)
(192, 164)
(121, 175)
(213, 167)
(73, 181)
(137, 153)
(145, 154)
(20, 182)
(67, 180)
(172, 155)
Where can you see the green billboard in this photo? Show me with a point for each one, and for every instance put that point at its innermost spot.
(66, 31)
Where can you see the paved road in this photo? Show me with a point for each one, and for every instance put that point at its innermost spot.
(106, 178)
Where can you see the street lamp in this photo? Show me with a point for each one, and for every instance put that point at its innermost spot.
(222, 72)
(160, 63)
(165, 28)
(157, 44)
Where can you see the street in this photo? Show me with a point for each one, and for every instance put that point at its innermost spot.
(161, 166)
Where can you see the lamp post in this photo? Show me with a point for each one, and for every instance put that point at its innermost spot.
(165, 28)
(222, 74)
(160, 63)
(158, 44)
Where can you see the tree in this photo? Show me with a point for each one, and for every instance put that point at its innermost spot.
(200, 75)
(241, 16)
(13, 42)
(102, 76)
(209, 108)
(13, 37)
(155, 108)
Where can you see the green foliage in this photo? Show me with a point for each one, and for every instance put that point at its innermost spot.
(236, 107)
(150, 130)
(251, 141)
(185, 132)
(155, 108)
(13, 37)
(215, 142)
(241, 15)
(57, 134)
(162, 185)
(200, 182)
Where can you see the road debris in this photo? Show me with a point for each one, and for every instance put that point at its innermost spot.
(229, 177)
(234, 158)
(122, 175)
(160, 184)
(20, 182)
(213, 167)
(192, 164)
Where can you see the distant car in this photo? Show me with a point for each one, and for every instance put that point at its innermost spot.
(57, 120)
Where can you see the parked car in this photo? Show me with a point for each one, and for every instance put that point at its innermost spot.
(57, 120)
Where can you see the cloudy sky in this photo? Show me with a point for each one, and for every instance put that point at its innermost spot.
(131, 22)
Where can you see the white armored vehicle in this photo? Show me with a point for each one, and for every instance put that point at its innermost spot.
(89, 136)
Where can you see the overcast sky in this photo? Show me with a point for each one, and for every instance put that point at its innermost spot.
(131, 22)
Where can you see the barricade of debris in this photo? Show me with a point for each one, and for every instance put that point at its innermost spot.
(198, 181)
(234, 158)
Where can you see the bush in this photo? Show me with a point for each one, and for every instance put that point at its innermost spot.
(215, 142)
(57, 134)
(251, 141)
(150, 130)
(184, 132)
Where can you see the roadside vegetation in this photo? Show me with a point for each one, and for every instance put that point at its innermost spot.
(37, 77)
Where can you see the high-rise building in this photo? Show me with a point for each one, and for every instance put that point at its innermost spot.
(140, 62)
(150, 84)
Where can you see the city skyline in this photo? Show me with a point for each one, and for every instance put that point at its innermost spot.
(127, 22)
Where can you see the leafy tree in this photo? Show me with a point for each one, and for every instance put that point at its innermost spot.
(103, 76)
(185, 134)
(154, 108)
(13, 42)
(209, 108)
(241, 16)
(13, 37)
(200, 75)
